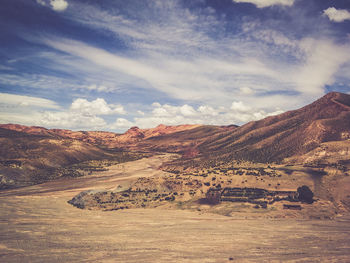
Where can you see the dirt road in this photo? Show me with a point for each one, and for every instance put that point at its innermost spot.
(37, 225)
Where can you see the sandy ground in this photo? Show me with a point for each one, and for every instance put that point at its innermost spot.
(119, 174)
(37, 225)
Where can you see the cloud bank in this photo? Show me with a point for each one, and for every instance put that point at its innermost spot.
(83, 114)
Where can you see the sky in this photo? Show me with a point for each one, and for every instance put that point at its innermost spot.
(112, 64)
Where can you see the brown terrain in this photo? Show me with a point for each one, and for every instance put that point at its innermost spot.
(292, 133)
(38, 225)
(211, 188)
(27, 159)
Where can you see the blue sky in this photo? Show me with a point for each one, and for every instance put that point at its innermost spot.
(113, 64)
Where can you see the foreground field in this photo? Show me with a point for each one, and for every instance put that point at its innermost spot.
(38, 225)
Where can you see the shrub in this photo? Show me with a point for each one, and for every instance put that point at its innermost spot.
(305, 194)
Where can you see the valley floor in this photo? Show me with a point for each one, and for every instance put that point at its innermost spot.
(38, 225)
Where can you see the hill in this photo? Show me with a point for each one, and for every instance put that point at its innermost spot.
(185, 142)
(293, 133)
(102, 138)
(31, 155)
(27, 159)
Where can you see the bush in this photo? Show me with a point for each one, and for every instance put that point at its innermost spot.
(305, 194)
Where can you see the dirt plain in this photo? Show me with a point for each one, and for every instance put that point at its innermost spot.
(38, 225)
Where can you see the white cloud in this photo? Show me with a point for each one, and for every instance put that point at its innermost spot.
(56, 5)
(20, 117)
(99, 88)
(28, 101)
(322, 61)
(156, 104)
(185, 114)
(81, 115)
(121, 124)
(161, 112)
(239, 106)
(207, 110)
(95, 107)
(59, 5)
(25, 110)
(41, 2)
(187, 110)
(246, 90)
(169, 110)
(72, 120)
(271, 37)
(337, 15)
(266, 3)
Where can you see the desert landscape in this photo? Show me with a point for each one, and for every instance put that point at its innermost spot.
(174, 131)
(272, 190)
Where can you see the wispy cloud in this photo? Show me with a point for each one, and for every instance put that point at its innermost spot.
(2, 67)
(266, 3)
(183, 79)
(37, 81)
(28, 101)
(24, 109)
(162, 26)
(323, 60)
(204, 78)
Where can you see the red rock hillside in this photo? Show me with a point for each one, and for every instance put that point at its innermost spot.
(292, 133)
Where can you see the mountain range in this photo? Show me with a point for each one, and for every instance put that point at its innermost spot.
(317, 133)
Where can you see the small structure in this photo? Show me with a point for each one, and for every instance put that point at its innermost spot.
(213, 196)
(243, 194)
(257, 196)
(292, 207)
